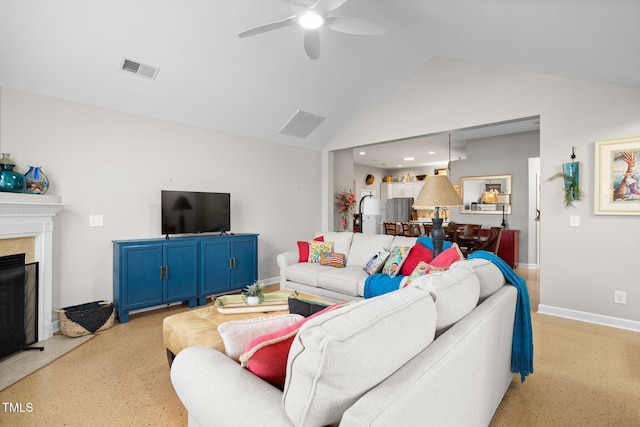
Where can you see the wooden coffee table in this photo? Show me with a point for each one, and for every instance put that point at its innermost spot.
(200, 326)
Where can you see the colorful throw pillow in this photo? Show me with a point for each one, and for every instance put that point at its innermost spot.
(418, 253)
(375, 264)
(317, 248)
(236, 334)
(447, 257)
(266, 356)
(422, 269)
(303, 249)
(332, 259)
(395, 260)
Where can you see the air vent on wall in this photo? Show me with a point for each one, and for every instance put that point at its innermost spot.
(301, 124)
(138, 68)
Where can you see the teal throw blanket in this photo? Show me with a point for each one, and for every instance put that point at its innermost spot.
(522, 346)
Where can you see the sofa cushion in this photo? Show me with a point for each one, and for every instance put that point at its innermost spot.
(317, 248)
(417, 254)
(337, 358)
(490, 277)
(364, 246)
(341, 240)
(344, 280)
(455, 292)
(303, 249)
(306, 272)
(403, 241)
(266, 355)
(236, 334)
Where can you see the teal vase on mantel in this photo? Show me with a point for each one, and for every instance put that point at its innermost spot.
(36, 181)
(10, 180)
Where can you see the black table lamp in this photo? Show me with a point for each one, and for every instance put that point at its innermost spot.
(437, 193)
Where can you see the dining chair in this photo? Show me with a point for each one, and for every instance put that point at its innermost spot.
(391, 228)
(493, 241)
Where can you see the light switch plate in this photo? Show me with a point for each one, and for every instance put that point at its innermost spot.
(574, 221)
(96, 220)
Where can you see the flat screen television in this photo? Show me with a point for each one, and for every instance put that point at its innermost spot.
(191, 212)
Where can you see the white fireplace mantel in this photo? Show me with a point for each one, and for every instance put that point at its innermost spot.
(31, 215)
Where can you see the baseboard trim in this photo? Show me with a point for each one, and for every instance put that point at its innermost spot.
(582, 316)
(528, 266)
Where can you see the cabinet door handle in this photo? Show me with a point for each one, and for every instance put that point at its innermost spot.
(230, 263)
(166, 271)
(161, 271)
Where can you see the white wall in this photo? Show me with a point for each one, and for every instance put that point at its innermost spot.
(580, 266)
(115, 164)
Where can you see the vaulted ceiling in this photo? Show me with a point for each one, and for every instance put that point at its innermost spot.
(210, 77)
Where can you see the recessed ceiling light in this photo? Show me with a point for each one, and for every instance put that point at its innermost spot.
(362, 153)
(408, 159)
(399, 166)
(432, 152)
(310, 21)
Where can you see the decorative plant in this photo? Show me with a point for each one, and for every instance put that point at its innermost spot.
(572, 191)
(345, 201)
(254, 290)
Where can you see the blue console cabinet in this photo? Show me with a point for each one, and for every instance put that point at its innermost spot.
(152, 272)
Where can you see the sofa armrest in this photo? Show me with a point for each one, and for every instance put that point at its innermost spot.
(215, 390)
(286, 259)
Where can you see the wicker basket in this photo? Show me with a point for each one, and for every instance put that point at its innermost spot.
(84, 319)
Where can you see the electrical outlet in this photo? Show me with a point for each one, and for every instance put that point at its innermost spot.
(96, 220)
(619, 297)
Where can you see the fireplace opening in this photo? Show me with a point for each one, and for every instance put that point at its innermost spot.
(18, 305)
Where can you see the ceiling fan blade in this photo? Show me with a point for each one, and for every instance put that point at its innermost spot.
(269, 27)
(312, 43)
(356, 26)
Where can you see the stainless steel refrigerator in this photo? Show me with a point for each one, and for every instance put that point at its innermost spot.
(399, 209)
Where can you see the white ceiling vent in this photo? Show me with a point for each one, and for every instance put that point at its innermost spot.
(301, 124)
(142, 70)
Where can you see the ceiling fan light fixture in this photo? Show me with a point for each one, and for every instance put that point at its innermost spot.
(310, 20)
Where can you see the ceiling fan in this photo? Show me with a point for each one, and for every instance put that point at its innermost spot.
(311, 15)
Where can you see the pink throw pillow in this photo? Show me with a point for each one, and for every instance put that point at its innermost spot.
(266, 356)
(447, 257)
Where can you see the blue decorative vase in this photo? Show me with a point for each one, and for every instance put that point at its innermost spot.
(36, 181)
(10, 180)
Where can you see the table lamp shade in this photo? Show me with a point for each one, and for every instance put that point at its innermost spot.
(437, 192)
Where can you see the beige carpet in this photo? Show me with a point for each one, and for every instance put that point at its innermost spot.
(22, 363)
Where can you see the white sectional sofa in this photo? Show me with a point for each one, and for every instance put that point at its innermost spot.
(337, 284)
(436, 353)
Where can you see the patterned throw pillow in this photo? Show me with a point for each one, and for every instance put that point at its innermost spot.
(332, 259)
(317, 248)
(395, 260)
(376, 262)
(422, 269)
